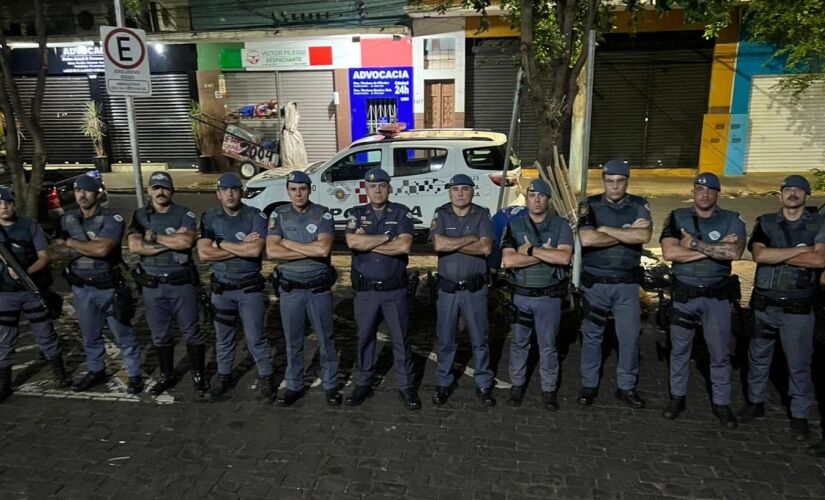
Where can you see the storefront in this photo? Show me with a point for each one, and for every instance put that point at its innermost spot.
(75, 77)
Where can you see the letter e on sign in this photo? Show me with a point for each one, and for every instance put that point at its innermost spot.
(126, 61)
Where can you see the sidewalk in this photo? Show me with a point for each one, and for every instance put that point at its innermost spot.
(648, 183)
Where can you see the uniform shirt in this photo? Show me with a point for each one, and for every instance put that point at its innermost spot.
(711, 231)
(247, 221)
(457, 266)
(642, 211)
(25, 238)
(759, 235)
(305, 227)
(112, 228)
(394, 219)
(185, 220)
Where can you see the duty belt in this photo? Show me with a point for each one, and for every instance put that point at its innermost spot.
(635, 277)
(250, 285)
(319, 285)
(789, 305)
(727, 289)
(555, 291)
(113, 279)
(144, 280)
(362, 284)
(473, 284)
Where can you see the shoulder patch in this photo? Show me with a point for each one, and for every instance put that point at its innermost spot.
(263, 215)
(740, 217)
(190, 214)
(273, 221)
(409, 215)
(118, 217)
(327, 216)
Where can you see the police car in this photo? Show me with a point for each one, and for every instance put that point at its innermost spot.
(421, 163)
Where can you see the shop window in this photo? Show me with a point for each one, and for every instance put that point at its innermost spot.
(353, 167)
(439, 53)
(381, 111)
(415, 161)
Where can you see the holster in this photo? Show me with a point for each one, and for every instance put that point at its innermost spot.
(206, 307)
(413, 280)
(513, 315)
(124, 305)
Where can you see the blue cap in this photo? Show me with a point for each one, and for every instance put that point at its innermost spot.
(709, 180)
(539, 186)
(229, 180)
(86, 183)
(797, 181)
(377, 175)
(298, 177)
(461, 180)
(6, 194)
(616, 167)
(161, 179)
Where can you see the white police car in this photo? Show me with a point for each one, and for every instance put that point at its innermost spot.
(421, 163)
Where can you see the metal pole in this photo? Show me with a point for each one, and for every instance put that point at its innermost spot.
(513, 118)
(588, 110)
(130, 116)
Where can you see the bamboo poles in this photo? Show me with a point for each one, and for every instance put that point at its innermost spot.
(558, 177)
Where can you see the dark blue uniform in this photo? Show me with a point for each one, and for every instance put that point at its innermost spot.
(702, 294)
(95, 283)
(610, 283)
(782, 302)
(380, 283)
(237, 288)
(462, 290)
(537, 295)
(305, 290)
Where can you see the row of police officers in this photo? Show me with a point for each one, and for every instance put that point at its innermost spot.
(701, 241)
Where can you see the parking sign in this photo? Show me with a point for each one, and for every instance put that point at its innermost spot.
(127, 61)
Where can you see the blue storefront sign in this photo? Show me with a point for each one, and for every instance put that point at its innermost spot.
(379, 96)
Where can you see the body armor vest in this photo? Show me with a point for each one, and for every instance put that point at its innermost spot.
(169, 261)
(18, 239)
(709, 230)
(784, 277)
(302, 227)
(541, 275)
(234, 229)
(621, 256)
(83, 229)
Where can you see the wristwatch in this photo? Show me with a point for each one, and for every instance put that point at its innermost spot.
(218, 242)
(530, 251)
(391, 236)
(694, 244)
(153, 237)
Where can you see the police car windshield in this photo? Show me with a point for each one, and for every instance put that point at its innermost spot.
(314, 167)
(485, 158)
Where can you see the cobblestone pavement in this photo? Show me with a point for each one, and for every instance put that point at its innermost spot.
(107, 444)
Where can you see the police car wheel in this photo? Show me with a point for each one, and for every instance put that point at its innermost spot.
(248, 170)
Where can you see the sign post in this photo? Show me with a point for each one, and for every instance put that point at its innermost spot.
(127, 74)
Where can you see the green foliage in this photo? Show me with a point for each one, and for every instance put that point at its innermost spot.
(819, 179)
(94, 128)
(797, 29)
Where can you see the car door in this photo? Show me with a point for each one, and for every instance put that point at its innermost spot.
(420, 172)
(342, 183)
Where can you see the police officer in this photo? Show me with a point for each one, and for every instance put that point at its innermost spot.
(380, 235)
(536, 250)
(163, 234)
(613, 227)
(25, 240)
(462, 234)
(300, 238)
(231, 239)
(789, 249)
(91, 241)
(701, 241)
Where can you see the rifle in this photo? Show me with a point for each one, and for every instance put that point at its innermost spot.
(24, 279)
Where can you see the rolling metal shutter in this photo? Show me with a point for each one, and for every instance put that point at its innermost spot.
(252, 87)
(783, 135)
(648, 106)
(313, 91)
(490, 88)
(64, 103)
(163, 123)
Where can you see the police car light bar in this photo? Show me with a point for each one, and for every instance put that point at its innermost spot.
(390, 129)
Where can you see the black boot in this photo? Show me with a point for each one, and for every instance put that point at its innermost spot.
(222, 384)
(197, 363)
(752, 411)
(266, 385)
(674, 408)
(516, 396)
(725, 416)
(61, 380)
(5, 383)
(166, 364)
(90, 380)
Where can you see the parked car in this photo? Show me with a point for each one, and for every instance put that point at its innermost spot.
(56, 193)
(421, 163)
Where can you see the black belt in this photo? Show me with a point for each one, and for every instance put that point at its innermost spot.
(555, 291)
(634, 277)
(789, 305)
(319, 285)
(473, 284)
(112, 279)
(144, 280)
(727, 289)
(250, 285)
(362, 284)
